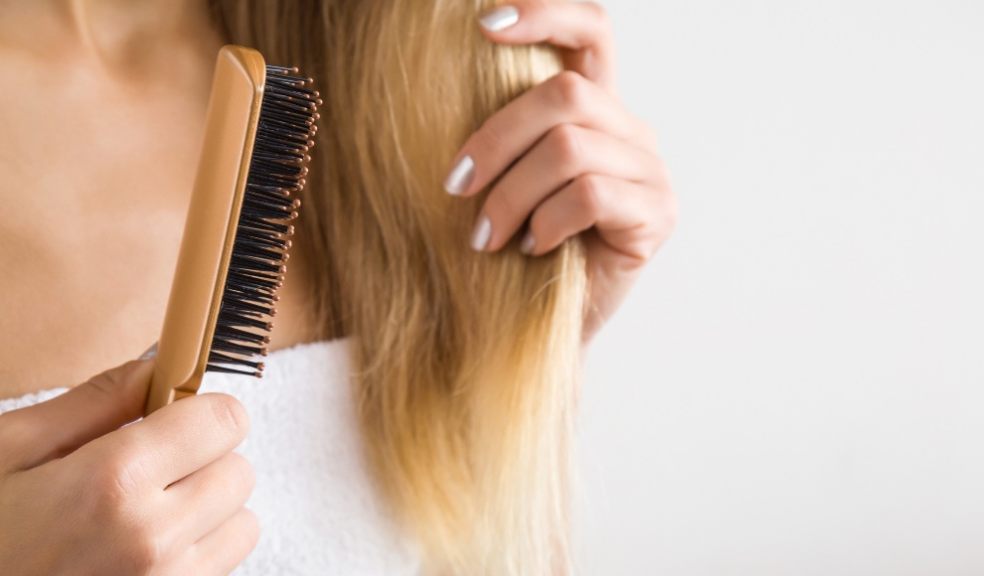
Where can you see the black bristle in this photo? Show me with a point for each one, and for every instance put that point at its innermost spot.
(284, 136)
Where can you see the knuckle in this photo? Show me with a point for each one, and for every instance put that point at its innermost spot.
(537, 220)
(229, 413)
(144, 550)
(566, 143)
(116, 479)
(661, 226)
(501, 205)
(242, 470)
(570, 89)
(589, 193)
(112, 503)
(111, 381)
(105, 383)
(666, 201)
(539, 226)
(490, 136)
(671, 214)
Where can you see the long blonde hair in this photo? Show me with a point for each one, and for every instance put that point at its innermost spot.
(467, 363)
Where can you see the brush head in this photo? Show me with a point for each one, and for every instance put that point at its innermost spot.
(278, 166)
(259, 130)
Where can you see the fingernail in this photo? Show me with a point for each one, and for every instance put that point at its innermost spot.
(460, 177)
(528, 243)
(499, 18)
(482, 234)
(149, 353)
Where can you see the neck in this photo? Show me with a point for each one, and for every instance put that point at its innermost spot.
(115, 34)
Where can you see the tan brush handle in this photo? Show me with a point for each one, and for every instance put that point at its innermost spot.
(210, 229)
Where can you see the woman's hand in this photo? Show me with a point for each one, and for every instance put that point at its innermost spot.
(569, 157)
(80, 495)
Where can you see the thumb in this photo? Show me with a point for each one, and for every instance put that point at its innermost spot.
(36, 434)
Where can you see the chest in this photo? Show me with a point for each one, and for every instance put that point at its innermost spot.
(94, 191)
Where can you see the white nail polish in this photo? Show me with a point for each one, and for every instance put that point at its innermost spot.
(482, 234)
(149, 353)
(460, 177)
(500, 18)
(528, 243)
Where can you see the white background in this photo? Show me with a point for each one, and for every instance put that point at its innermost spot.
(796, 386)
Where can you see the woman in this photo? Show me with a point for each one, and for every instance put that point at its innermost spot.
(460, 309)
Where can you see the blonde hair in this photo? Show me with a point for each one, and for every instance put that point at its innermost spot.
(467, 363)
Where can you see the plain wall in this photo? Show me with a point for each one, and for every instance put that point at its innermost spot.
(796, 385)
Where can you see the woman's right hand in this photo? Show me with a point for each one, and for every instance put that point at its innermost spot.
(165, 495)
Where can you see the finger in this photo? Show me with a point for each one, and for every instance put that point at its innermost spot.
(567, 98)
(622, 212)
(207, 498)
(583, 28)
(36, 434)
(566, 152)
(172, 442)
(219, 552)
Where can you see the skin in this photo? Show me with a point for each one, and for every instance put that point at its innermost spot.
(102, 105)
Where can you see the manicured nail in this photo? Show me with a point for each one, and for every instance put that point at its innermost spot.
(528, 243)
(149, 353)
(460, 177)
(482, 234)
(500, 18)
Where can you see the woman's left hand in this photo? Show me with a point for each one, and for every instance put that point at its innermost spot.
(569, 157)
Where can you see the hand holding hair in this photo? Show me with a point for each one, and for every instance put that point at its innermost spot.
(79, 494)
(566, 157)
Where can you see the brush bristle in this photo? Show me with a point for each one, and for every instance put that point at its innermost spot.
(284, 135)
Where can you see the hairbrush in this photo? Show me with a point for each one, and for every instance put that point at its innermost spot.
(259, 128)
